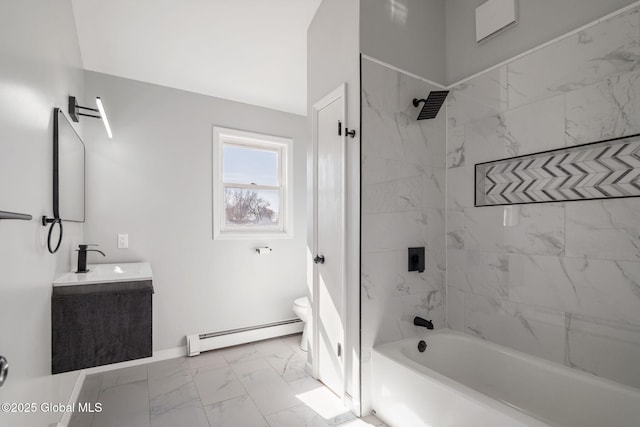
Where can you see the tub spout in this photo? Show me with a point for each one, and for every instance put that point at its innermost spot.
(419, 321)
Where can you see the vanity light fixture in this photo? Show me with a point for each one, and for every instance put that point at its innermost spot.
(74, 113)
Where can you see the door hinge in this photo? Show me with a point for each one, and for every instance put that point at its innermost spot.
(339, 128)
(339, 349)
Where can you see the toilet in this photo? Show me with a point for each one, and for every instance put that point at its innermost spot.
(302, 309)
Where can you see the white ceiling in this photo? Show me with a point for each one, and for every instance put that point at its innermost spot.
(252, 51)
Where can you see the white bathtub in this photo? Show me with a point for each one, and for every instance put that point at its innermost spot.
(464, 381)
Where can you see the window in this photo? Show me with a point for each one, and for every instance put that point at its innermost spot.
(252, 185)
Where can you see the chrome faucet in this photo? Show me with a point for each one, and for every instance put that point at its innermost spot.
(82, 257)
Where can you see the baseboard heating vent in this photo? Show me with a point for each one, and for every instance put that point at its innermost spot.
(197, 344)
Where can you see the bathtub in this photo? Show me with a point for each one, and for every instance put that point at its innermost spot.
(461, 380)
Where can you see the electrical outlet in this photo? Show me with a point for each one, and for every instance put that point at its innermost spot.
(123, 241)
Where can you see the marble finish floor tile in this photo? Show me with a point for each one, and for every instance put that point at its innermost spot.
(240, 353)
(191, 414)
(275, 347)
(262, 384)
(124, 376)
(293, 341)
(314, 395)
(167, 367)
(290, 367)
(217, 385)
(244, 369)
(270, 392)
(300, 416)
(369, 420)
(126, 405)
(179, 395)
(239, 411)
(206, 361)
(171, 387)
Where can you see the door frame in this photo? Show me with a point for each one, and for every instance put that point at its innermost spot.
(340, 91)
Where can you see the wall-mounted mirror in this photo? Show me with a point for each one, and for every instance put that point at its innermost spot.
(68, 170)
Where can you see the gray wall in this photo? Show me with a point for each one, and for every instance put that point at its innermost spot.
(153, 181)
(40, 66)
(539, 22)
(403, 206)
(332, 59)
(409, 34)
(563, 283)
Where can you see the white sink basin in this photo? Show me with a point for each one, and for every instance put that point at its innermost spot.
(108, 273)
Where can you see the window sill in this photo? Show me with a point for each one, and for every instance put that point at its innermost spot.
(267, 235)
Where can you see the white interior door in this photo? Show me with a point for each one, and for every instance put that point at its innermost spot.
(330, 291)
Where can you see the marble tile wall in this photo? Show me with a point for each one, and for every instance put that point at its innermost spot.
(564, 283)
(403, 205)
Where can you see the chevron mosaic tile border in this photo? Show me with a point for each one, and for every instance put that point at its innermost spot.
(599, 170)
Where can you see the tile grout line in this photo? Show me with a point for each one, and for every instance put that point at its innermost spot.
(288, 385)
(193, 379)
(247, 392)
(264, 417)
(146, 368)
(264, 358)
(98, 398)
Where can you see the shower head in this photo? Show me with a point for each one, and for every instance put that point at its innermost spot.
(431, 105)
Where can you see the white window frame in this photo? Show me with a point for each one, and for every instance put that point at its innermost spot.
(284, 148)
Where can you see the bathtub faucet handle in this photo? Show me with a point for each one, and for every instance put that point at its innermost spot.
(419, 321)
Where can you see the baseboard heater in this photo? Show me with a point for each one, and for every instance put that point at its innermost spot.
(196, 344)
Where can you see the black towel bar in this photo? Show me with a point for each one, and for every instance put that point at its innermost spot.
(14, 215)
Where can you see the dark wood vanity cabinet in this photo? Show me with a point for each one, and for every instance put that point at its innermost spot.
(98, 324)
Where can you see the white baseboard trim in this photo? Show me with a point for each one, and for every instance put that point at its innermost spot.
(170, 353)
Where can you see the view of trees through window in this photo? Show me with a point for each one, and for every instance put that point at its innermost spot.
(247, 207)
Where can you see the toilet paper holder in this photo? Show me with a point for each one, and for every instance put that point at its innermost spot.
(263, 250)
